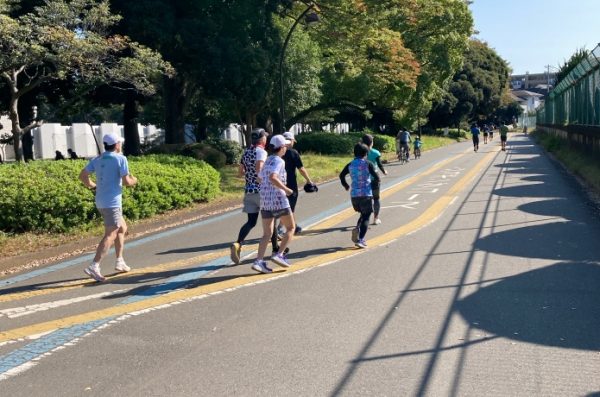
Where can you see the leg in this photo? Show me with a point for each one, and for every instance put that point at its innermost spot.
(290, 226)
(120, 240)
(363, 224)
(267, 224)
(247, 227)
(110, 234)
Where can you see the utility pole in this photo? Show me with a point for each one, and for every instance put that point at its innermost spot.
(548, 79)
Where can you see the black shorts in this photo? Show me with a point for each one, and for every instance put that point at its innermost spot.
(375, 186)
(268, 214)
(362, 204)
(475, 139)
(503, 138)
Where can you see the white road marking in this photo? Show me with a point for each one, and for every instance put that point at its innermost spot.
(15, 312)
(414, 196)
(404, 204)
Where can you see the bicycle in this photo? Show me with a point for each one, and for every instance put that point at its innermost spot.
(417, 152)
(404, 154)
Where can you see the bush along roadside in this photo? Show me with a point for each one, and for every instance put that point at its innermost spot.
(47, 196)
(335, 144)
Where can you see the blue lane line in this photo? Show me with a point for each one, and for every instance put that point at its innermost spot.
(86, 258)
(66, 335)
(62, 336)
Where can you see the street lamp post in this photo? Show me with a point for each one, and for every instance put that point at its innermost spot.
(310, 18)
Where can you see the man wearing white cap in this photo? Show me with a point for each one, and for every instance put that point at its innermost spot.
(293, 162)
(112, 172)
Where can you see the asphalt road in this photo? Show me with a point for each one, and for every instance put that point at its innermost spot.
(483, 279)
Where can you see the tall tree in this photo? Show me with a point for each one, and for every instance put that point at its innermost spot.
(66, 39)
(476, 90)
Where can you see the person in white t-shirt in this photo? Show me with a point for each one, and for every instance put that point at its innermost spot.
(274, 204)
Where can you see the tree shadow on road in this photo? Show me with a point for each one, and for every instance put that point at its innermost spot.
(552, 306)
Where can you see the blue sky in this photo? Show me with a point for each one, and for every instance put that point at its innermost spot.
(531, 34)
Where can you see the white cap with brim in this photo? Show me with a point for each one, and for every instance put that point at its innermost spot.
(278, 141)
(289, 135)
(112, 139)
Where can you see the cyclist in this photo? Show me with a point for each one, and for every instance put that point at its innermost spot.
(374, 157)
(417, 146)
(402, 140)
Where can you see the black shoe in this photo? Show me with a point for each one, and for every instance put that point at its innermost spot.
(298, 230)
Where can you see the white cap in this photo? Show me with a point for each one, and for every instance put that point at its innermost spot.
(112, 139)
(289, 135)
(278, 141)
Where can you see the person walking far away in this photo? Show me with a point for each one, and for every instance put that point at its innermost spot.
(475, 134)
(503, 136)
(362, 172)
(112, 173)
(293, 162)
(374, 157)
(486, 131)
(251, 164)
(274, 204)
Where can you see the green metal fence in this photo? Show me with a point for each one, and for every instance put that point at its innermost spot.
(576, 99)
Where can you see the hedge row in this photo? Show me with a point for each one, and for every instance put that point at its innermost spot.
(329, 143)
(216, 152)
(47, 196)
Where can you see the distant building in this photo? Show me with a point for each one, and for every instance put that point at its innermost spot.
(528, 100)
(532, 80)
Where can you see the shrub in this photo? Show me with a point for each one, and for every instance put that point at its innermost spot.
(46, 196)
(198, 151)
(325, 143)
(330, 143)
(232, 150)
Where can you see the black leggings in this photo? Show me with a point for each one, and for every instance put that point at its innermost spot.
(363, 224)
(247, 227)
(375, 186)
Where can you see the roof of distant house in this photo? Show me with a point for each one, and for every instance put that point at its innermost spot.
(526, 94)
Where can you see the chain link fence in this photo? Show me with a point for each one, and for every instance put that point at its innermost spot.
(576, 99)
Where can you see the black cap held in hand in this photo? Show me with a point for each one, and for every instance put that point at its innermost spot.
(310, 188)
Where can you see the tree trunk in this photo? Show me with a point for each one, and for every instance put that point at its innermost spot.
(175, 103)
(248, 132)
(130, 126)
(13, 113)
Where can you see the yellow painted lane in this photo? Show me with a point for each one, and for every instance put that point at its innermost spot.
(429, 215)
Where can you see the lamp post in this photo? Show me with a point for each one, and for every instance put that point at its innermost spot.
(310, 17)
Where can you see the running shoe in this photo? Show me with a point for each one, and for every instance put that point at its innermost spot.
(298, 230)
(377, 221)
(93, 271)
(236, 250)
(361, 243)
(276, 250)
(261, 267)
(281, 260)
(121, 266)
(355, 235)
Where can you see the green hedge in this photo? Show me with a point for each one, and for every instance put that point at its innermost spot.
(330, 143)
(47, 196)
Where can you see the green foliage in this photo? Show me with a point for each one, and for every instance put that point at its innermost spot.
(330, 143)
(325, 143)
(232, 150)
(575, 59)
(198, 151)
(47, 196)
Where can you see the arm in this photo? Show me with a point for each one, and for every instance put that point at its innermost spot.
(380, 165)
(242, 170)
(305, 175)
(84, 177)
(129, 180)
(373, 172)
(277, 183)
(343, 174)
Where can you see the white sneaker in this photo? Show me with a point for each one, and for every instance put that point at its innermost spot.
(121, 266)
(377, 221)
(93, 271)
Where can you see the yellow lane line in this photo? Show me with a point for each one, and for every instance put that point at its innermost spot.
(425, 218)
(326, 223)
(135, 272)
